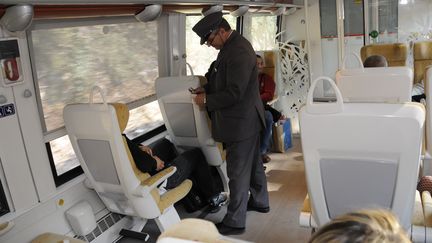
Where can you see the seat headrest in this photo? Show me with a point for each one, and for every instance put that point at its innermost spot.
(396, 53)
(268, 59)
(122, 112)
(422, 50)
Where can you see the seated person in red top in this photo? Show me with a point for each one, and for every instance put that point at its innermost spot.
(266, 83)
(267, 89)
(190, 164)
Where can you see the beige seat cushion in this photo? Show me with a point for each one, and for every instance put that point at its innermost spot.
(194, 230)
(54, 238)
(174, 195)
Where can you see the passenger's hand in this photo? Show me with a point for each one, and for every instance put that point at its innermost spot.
(146, 149)
(159, 163)
(200, 100)
(198, 90)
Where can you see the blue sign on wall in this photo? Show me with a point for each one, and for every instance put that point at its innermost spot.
(7, 110)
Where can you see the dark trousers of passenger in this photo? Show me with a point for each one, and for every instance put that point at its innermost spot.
(417, 98)
(192, 163)
(246, 173)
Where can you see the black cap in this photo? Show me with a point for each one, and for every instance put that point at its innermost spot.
(207, 25)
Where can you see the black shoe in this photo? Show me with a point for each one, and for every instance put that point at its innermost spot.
(213, 209)
(228, 230)
(258, 209)
(218, 200)
(265, 158)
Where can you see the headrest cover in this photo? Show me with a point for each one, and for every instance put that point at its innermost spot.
(269, 58)
(122, 112)
(392, 52)
(207, 25)
(422, 50)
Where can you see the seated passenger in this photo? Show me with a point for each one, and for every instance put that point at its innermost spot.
(267, 90)
(190, 164)
(375, 225)
(375, 61)
(418, 92)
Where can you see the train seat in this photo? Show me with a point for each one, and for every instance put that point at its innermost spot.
(396, 53)
(187, 125)
(359, 155)
(422, 55)
(380, 84)
(428, 132)
(95, 133)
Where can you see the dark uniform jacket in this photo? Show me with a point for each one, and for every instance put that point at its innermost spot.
(233, 98)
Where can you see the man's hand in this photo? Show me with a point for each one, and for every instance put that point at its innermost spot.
(200, 100)
(159, 163)
(198, 90)
(146, 149)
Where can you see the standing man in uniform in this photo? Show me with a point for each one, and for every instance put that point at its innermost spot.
(237, 114)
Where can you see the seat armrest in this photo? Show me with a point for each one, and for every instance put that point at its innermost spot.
(271, 102)
(152, 182)
(418, 215)
(427, 208)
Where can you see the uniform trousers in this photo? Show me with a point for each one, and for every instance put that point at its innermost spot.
(246, 174)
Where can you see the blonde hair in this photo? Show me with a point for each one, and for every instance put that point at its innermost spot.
(371, 226)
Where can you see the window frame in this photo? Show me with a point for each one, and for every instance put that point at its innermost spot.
(49, 136)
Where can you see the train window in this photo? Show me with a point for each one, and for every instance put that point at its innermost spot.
(120, 58)
(144, 119)
(69, 57)
(261, 38)
(201, 56)
(63, 155)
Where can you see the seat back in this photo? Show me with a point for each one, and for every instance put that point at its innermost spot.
(428, 133)
(380, 84)
(187, 125)
(396, 53)
(269, 58)
(422, 58)
(95, 135)
(361, 155)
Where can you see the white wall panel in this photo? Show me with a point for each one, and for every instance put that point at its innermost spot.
(49, 216)
(13, 157)
(31, 129)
